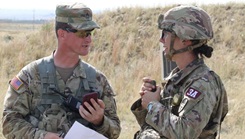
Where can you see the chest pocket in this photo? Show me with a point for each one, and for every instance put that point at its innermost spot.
(53, 119)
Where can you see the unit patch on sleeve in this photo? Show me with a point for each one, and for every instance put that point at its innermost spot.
(16, 83)
(193, 93)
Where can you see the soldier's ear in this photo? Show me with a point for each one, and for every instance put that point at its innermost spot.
(186, 42)
(60, 32)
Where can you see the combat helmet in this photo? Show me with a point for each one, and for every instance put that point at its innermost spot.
(187, 23)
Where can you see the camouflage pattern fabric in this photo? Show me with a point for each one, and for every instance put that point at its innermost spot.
(148, 134)
(188, 23)
(78, 15)
(193, 104)
(23, 96)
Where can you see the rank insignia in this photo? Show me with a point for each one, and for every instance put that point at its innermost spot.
(16, 83)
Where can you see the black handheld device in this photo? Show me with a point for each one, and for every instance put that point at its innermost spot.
(153, 82)
(69, 100)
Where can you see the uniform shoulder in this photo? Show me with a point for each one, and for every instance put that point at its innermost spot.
(204, 82)
(20, 81)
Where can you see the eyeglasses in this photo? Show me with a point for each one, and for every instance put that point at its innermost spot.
(80, 33)
(164, 34)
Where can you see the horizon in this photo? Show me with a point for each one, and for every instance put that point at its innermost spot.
(102, 5)
(39, 11)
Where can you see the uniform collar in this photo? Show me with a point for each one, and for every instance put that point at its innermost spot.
(178, 75)
(80, 70)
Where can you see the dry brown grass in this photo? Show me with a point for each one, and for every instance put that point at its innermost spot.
(126, 48)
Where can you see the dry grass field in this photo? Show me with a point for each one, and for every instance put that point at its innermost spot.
(126, 49)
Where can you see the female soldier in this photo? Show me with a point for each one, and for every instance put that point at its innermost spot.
(193, 102)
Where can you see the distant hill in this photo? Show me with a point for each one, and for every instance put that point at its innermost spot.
(21, 14)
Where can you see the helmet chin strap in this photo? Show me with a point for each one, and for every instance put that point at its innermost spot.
(191, 47)
(172, 51)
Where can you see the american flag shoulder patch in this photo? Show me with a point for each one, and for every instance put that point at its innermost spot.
(16, 83)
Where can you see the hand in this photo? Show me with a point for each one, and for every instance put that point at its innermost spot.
(146, 85)
(95, 114)
(149, 97)
(146, 92)
(50, 135)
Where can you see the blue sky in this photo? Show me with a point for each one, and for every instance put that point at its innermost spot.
(100, 4)
(45, 9)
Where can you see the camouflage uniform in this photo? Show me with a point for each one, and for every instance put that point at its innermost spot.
(193, 100)
(193, 104)
(19, 116)
(31, 109)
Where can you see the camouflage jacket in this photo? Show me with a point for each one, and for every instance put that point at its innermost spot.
(193, 104)
(24, 95)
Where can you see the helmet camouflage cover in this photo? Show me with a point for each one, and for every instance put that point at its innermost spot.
(188, 23)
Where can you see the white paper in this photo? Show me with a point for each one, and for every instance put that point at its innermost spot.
(79, 131)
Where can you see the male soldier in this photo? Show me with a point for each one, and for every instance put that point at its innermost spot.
(193, 102)
(32, 110)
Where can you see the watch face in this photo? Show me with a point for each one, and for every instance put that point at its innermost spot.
(149, 106)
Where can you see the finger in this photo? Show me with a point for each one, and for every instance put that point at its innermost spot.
(141, 93)
(149, 86)
(98, 104)
(146, 79)
(86, 109)
(101, 103)
(94, 104)
(89, 107)
(81, 111)
(142, 88)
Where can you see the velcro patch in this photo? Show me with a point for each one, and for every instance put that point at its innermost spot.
(193, 93)
(16, 83)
